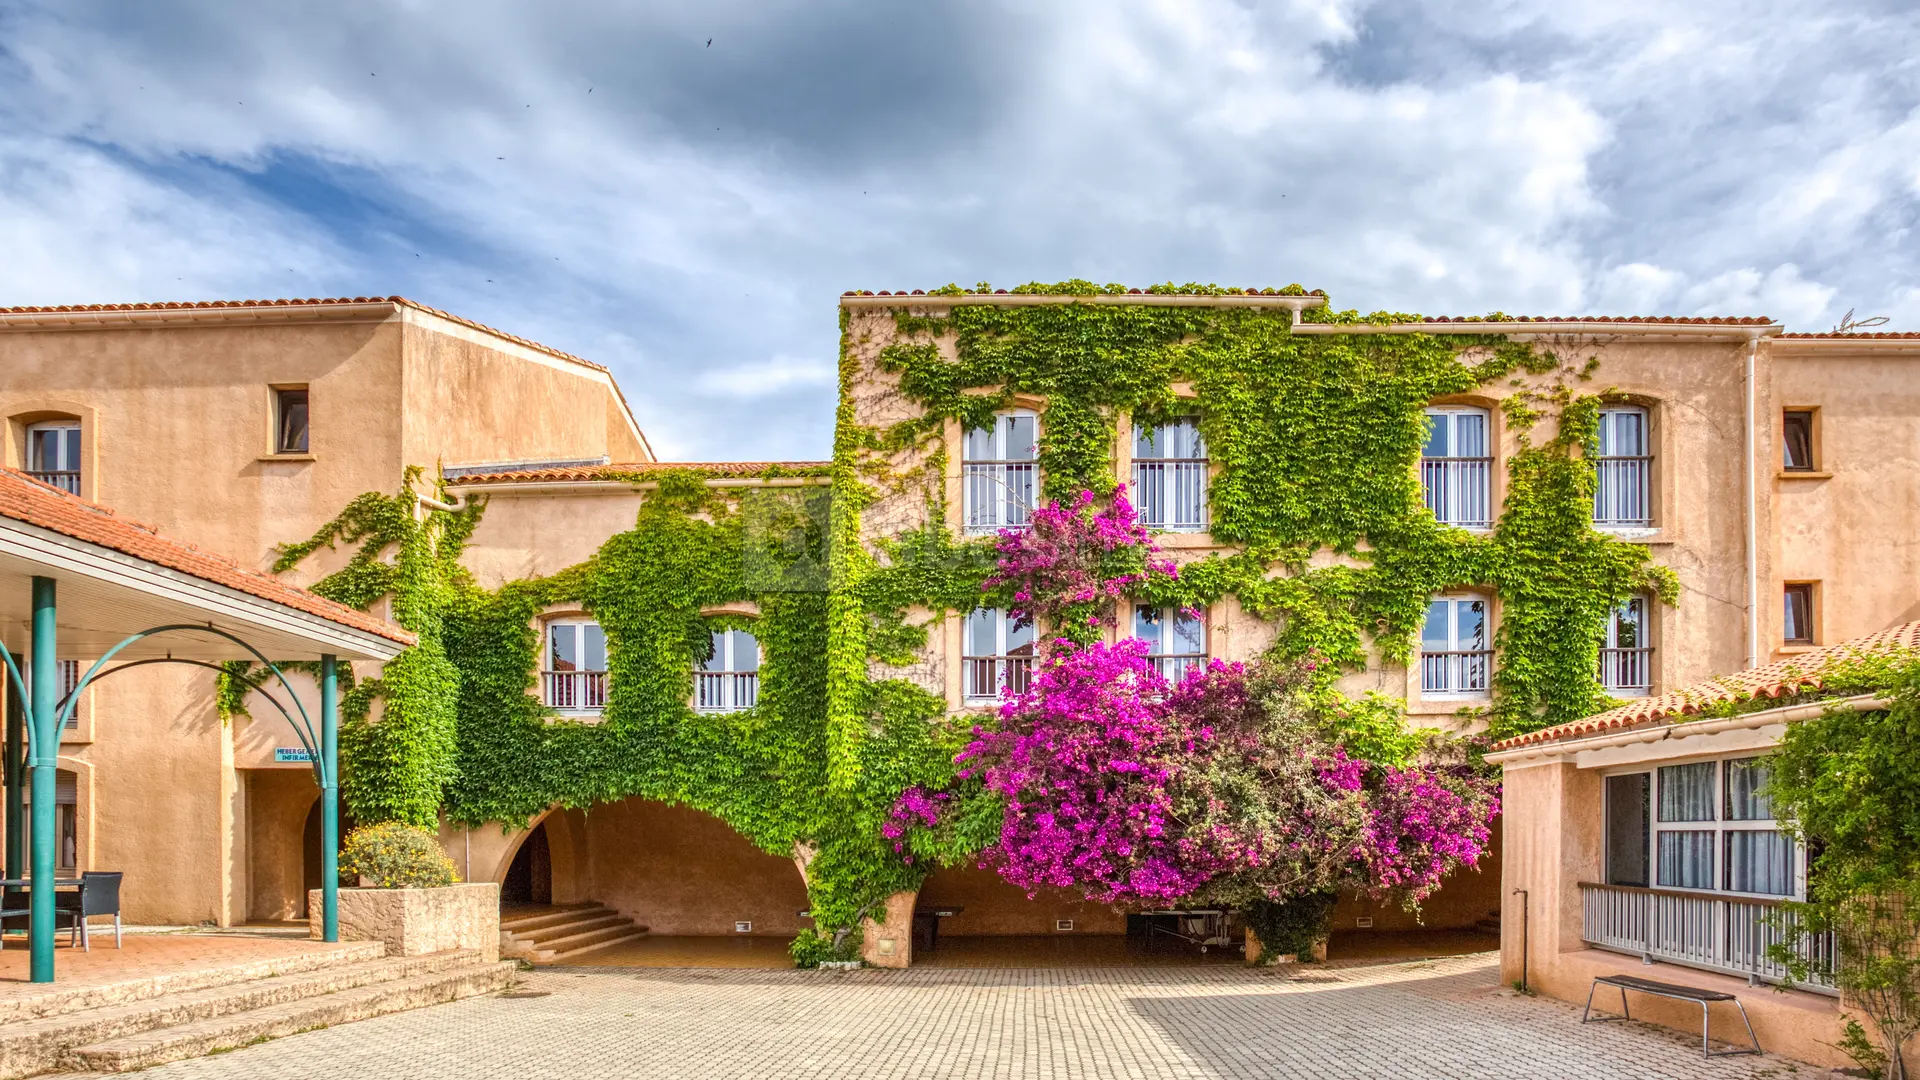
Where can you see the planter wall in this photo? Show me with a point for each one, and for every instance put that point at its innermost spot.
(416, 921)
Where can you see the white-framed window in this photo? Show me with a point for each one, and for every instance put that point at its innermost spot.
(1176, 636)
(574, 678)
(1000, 473)
(291, 420)
(1626, 652)
(1702, 826)
(1622, 497)
(1456, 467)
(1455, 656)
(1170, 476)
(729, 680)
(53, 454)
(998, 655)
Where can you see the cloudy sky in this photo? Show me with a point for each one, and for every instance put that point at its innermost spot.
(681, 190)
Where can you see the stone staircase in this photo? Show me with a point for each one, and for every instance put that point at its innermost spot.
(133, 1025)
(556, 934)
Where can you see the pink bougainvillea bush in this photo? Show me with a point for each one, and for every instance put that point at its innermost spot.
(1064, 572)
(1240, 786)
(1225, 788)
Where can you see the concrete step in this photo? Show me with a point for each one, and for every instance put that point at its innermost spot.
(554, 917)
(288, 1018)
(555, 932)
(551, 951)
(60, 1000)
(40, 1045)
(545, 956)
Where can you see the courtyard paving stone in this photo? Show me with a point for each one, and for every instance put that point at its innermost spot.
(1440, 1018)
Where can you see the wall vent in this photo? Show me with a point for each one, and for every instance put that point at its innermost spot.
(743, 927)
(1364, 922)
(1063, 924)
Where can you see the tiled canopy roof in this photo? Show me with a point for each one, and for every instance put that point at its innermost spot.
(627, 470)
(312, 302)
(1793, 674)
(27, 500)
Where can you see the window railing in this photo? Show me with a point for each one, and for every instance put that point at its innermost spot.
(1175, 668)
(1459, 672)
(725, 691)
(999, 494)
(575, 690)
(1456, 490)
(1626, 671)
(1716, 932)
(987, 676)
(66, 480)
(1620, 497)
(1170, 494)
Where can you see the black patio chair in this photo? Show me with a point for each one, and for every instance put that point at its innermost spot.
(99, 895)
(9, 897)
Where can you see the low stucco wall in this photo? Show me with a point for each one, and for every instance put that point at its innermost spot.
(416, 921)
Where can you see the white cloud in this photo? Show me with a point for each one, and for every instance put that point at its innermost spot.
(1529, 156)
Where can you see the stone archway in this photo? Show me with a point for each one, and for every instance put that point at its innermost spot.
(561, 845)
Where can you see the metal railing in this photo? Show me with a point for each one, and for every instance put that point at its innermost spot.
(1626, 671)
(1715, 932)
(1175, 668)
(1457, 491)
(1170, 494)
(66, 480)
(999, 494)
(725, 691)
(575, 690)
(1459, 672)
(987, 676)
(1620, 497)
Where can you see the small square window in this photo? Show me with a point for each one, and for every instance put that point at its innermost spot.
(290, 421)
(1798, 611)
(1797, 440)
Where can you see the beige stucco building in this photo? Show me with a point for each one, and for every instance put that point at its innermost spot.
(1769, 471)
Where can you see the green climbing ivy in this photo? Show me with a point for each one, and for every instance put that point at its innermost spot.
(1316, 436)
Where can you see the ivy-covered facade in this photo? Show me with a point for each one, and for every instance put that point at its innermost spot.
(1456, 581)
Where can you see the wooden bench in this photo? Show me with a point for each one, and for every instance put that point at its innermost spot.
(1677, 993)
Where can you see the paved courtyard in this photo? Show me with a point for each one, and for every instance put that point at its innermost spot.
(1442, 1018)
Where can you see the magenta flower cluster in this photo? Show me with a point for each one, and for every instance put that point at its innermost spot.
(1069, 566)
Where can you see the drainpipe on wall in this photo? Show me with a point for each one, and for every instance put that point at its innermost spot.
(1753, 509)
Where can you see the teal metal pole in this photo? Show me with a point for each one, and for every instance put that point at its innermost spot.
(330, 798)
(45, 689)
(13, 768)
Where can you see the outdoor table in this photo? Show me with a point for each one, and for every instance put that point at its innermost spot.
(926, 925)
(27, 884)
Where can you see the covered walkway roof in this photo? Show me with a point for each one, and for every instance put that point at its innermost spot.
(116, 576)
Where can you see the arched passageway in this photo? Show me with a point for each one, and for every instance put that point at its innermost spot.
(529, 877)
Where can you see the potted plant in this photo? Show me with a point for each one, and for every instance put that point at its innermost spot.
(409, 896)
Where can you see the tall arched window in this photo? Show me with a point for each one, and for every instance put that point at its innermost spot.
(1622, 497)
(575, 677)
(1456, 466)
(1170, 475)
(999, 655)
(1455, 650)
(999, 473)
(729, 680)
(1176, 637)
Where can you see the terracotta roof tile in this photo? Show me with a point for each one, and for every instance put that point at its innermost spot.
(624, 470)
(1677, 320)
(311, 302)
(27, 500)
(1790, 675)
(1889, 335)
